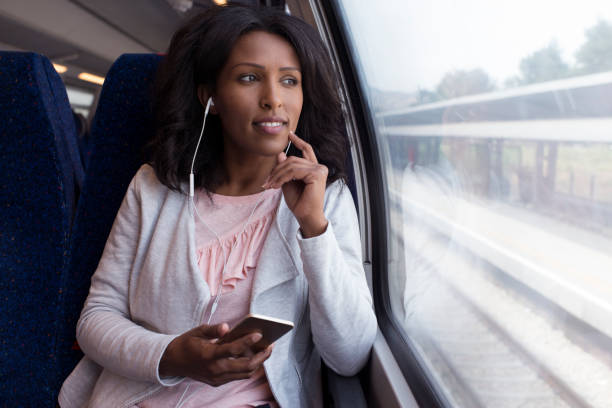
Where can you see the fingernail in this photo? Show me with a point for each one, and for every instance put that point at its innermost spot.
(256, 337)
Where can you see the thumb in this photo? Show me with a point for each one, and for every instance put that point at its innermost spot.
(210, 332)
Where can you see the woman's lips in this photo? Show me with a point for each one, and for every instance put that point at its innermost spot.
(270, 127)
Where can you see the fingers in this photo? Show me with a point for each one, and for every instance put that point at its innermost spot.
(239, 347)
(217, 364)
(245, 365)
(305, 174)
(262, 356)
(238, 369)
(306, 148)
(306, 168)
(230, 369)
(210, 332)
(222, 329)
(295, 168)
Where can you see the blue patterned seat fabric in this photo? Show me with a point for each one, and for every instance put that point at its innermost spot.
(71, 150)
(37, 193)
(123, 123)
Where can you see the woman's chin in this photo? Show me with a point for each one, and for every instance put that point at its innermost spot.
(272, 147)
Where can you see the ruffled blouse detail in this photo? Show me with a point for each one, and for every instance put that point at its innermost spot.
(242, 246)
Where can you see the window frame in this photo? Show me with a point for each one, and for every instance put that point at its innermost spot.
(377, 202)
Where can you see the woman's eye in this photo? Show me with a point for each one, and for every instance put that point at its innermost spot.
(290, 81)
(248, 78)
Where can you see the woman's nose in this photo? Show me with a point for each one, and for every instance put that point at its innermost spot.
(271, 97)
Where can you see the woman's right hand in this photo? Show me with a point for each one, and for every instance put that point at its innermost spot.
(195, 354)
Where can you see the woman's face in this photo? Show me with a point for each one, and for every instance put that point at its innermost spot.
(259, 94)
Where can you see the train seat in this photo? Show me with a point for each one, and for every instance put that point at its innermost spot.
(122, 124)
(72, 152)
(37, 193)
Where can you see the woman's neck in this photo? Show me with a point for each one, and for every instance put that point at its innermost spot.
(244, 175)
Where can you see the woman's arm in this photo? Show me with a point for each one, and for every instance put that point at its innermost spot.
(341, 315)
(104, 330)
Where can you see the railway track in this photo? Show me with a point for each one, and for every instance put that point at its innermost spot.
(490, 368)
(477, 352)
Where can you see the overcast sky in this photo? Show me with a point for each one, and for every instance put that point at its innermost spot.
(410, 44)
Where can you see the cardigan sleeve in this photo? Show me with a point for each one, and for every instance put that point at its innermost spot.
(341, 316)
(104, 331)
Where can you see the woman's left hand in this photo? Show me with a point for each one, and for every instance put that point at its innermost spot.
(303, 181)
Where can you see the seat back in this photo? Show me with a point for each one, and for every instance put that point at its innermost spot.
(123, 123)
(36, 204)
(64, 116)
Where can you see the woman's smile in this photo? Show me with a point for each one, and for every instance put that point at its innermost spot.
(271, 125)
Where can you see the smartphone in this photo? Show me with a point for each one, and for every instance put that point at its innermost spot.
(270, 328)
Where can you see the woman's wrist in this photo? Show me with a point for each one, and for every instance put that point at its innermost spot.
(313, 226)
(167, 364)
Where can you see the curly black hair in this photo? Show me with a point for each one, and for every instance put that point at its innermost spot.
(196, 55)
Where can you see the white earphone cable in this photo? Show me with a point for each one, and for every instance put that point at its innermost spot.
(191, 177)
(181, 401)
(225, 259)
(195, 210)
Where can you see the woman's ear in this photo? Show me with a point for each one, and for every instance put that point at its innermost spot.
(203, 95)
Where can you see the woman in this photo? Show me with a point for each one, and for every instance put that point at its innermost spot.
(263, 233)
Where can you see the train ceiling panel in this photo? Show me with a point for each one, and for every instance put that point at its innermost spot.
(148, 22)
(87, 34)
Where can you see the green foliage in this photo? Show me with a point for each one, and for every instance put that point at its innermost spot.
(595, 55)
(461, 82)
(544, 65)
(424, 96)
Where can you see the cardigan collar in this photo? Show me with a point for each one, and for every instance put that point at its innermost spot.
(279, 261)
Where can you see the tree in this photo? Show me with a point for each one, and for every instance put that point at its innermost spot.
(462, 82)
(595, 55)
(425, 96)
(544, 65)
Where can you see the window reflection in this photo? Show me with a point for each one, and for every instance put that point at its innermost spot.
(495, 121)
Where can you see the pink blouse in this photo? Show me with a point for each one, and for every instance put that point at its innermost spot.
(227, 215)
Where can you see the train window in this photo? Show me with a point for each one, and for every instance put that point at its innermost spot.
(494, 126)
(80, 99)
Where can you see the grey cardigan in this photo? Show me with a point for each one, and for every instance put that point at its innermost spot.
(147, 290)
